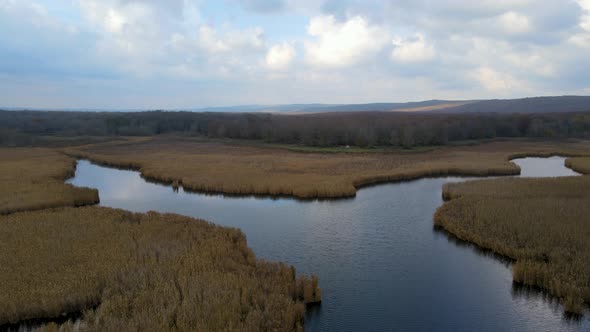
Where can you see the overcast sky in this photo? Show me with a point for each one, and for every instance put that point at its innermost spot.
(190, 53)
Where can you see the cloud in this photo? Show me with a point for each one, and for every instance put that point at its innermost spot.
(495, 81)
(232, 40)
(514, 23)
(280, 56)
(340, 44)
(412, 50)
(585, 20)
(34, 43)
(581, 38)
(170, 39)
(173, 53)
(210, 41)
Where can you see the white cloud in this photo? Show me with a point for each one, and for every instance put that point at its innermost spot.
(585, 20)
(174, 43)
(514, 23)
(126, 28)
(495, 81)
(585, 4)
(113, 16)
(581, 39)
(280, 56)
(252, 38)
(210, 41)
(412, 50)
(533, 62)
(169, 38)
(114, 21)
(340, 44)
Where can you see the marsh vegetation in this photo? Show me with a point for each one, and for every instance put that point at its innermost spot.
(580, 164)
(542, 224)
(366, 251)
(139, 271)
(129, 271)
(216, 167)
(33, 179)
(143, 271)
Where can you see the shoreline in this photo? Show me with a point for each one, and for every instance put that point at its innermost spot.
(358, 184)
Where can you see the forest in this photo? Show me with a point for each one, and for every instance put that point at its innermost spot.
(364, 129)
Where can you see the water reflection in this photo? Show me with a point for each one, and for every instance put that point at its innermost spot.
(381, 265)
(507, 261)
(543, 167)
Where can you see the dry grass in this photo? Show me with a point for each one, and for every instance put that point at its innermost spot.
(162, 272)
(543, 224)
(431, 108)
(580, 164)
(33, 179)
(222, 168)
(149, 272)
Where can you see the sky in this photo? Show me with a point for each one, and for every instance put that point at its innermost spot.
(178, 54)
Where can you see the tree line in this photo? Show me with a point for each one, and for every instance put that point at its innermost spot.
(364, 129)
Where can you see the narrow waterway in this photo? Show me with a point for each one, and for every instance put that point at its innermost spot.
(381, 264)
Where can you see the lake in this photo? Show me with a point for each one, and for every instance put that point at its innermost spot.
(382, 265)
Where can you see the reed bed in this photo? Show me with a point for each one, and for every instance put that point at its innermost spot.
(580, 164)
(543, 224)
(129, 271)
(215, 167)
(33, 179)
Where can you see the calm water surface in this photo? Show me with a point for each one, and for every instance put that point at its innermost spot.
(381, 264)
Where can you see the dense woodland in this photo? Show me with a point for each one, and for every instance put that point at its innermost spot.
(365, 129)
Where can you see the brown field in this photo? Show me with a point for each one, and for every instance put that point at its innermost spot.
(216, 167)
(145, 271)
(543, 224)
(431, 108)
(33, 179)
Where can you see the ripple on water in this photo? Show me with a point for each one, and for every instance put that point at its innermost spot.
(381, 265)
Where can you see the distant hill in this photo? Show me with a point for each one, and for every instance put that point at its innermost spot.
(557, 104)
(428, 105)
(325, 108)
(526, 105)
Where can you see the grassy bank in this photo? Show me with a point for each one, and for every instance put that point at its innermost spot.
(215, 167)
(144, 271)
(580, 164)
(160, 272)
(128, 271)
(542, 224)
(33, 179)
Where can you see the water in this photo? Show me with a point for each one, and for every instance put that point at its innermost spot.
(382, 266)
(543, 167)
